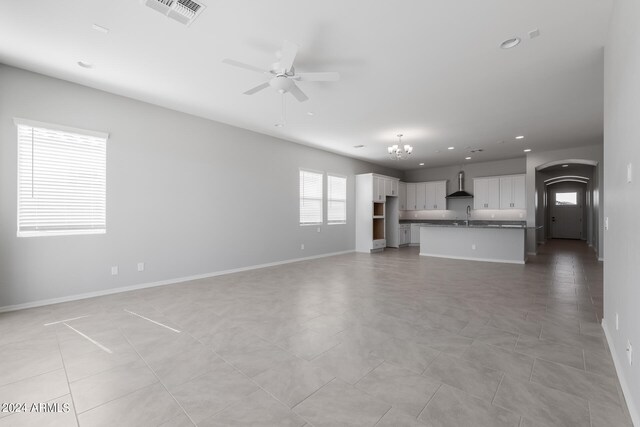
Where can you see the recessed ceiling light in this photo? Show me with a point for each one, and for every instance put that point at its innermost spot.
(421, 164)
(84, 64)
(526, 150)
(565, 166)
(358, 146)
(309, 113)
(100, 28)
(467, 158)
(520, 137)
(451, 148)
(509, 43)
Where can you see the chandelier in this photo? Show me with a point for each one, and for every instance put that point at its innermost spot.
(398, 151)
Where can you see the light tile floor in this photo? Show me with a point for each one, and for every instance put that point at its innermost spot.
(390, 339)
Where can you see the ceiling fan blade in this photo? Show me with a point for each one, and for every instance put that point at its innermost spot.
(245, 66)
(317, 77)
(297, 93)
(289, 52)
(257, 88)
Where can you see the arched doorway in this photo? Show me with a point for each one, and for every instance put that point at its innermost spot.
(568, 200)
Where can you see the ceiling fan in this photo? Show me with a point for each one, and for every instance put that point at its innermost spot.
(283, 74)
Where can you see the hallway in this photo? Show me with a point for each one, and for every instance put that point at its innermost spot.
(389, 339)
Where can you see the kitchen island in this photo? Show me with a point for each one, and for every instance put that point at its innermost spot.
(476, 241)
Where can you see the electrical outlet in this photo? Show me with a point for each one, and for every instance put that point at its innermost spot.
(629, 352)
(617, 322)
(606, 223)
(302, 247)
(493, 215)
(318, 229)
(114, 270)
(141, 266)
(473, 246)
(521, 215)
(415, 215)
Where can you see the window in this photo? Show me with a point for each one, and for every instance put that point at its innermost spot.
(336, 199)
(567, 199)
(310, 197)
(61, 180)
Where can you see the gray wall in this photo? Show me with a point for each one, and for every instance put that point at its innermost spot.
(535, 188)
(185, 195)
(622, 147)
(456, 209)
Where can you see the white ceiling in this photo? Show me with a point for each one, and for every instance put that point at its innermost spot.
(429, 69)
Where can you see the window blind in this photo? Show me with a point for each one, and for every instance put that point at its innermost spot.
(61, 180)
(336, 199)
(310, 197)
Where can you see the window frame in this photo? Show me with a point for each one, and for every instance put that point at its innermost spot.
(20, 122)
(322, 197)
(346, 181)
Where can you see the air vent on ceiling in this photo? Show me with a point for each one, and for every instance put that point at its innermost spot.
(183, 11)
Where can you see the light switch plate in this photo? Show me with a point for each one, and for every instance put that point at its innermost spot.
(629, 173)
(606, 223)
(114, 270)
(629, 352)
(141, 266)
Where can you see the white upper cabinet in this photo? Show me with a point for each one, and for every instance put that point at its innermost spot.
(512, 192)
(519, 192)
(388, 187)
(441, 195)
(402, 196)
(436, 198)
(411, 196)
(486, 193)
(394, 187)
(378, 189)
(421, 196)
(499, 192)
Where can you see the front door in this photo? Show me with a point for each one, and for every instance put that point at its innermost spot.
(566, 212)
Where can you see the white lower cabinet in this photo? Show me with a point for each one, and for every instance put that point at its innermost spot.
(415, 234)
(404, 234)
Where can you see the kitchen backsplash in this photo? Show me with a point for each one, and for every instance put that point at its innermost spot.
(457, 209)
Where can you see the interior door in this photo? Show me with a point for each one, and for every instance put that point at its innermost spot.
(566, 212)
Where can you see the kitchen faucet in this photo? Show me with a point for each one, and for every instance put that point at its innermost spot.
(468, 214)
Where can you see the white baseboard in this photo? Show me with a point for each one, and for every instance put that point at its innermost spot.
(104, 292)
(508, 261)
(633, 411)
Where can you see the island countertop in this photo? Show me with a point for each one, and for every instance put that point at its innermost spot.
(472, 224)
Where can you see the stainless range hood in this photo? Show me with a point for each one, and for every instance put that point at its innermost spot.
(460, 194)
